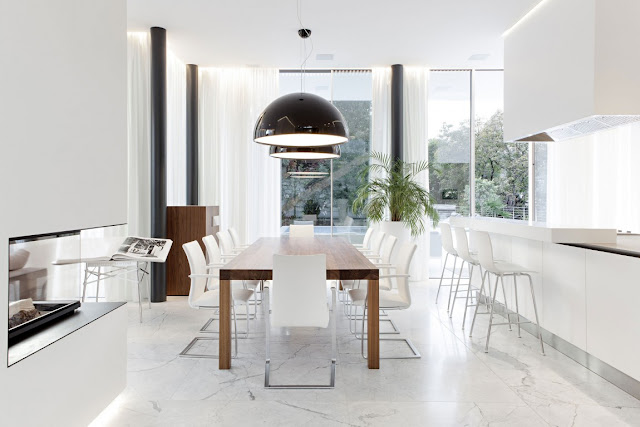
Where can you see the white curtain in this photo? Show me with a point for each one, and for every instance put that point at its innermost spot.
(176, 131)
(138, 126)
(381, 110)
(236, 173)
(592, 181)
(415, 150)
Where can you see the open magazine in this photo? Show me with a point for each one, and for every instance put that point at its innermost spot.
(141, 249)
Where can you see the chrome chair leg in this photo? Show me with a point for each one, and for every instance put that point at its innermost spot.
(515, 294)
(506, 307)
(466, 301)
(444, 267)
(493, 303)
(453, 275)
(535, 310)
(455, 294)
(479, 297)
(414, 350)
(334, 352)
(185, 352)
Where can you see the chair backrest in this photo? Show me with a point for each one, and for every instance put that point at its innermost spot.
(299, 291)
(213, 250)
(376, 241)
(405, 255)
(301, 230)
(226, 244)
(367, 238)
(235, 237)
(387, 249)
(197, 265)
(348, 221)
(447, 238)
(482, 243)
(462, 244)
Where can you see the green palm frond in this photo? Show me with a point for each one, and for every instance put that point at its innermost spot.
(394, 188)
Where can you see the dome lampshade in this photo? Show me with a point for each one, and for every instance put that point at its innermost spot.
(301, 120)
(305, 153)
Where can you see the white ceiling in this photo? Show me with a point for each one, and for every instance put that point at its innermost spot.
(359, 33)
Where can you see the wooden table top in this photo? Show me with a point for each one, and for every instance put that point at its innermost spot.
(344, 261)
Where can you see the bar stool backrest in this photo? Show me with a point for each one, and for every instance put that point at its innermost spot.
(226, 244)
(447, 238)
(299, 291)
(301, 230)
(462, 244)
(197, 264)
(482, 243)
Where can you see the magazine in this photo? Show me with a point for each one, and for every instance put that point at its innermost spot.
(140, 249)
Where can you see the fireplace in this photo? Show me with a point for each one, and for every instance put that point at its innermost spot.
(40, 291)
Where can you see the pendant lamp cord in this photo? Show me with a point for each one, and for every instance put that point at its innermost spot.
(303, 65)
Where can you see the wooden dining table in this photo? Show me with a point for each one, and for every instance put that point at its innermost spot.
(344, 262)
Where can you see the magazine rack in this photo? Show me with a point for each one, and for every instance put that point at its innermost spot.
(95, 271)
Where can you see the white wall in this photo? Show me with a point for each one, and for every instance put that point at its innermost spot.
(592, 181)
(63, 136)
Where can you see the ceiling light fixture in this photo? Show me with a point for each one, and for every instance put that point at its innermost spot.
(305, 153)
(300, 120)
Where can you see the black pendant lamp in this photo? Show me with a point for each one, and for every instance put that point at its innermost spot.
(305, 153)
(301, 120)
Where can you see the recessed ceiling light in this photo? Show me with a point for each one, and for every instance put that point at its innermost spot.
(324, 56)
(479, 57)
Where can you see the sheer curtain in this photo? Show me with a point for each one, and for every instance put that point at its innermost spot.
(381, 110)
(176, 131)
(236, 173)
(415, 150)
(592, 181)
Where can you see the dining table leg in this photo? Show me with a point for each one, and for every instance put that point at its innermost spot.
(373, 325)
(224, 362)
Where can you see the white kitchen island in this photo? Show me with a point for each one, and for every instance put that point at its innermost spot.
(587, 286)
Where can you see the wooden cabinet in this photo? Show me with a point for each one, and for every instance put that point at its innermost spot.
(185, 224)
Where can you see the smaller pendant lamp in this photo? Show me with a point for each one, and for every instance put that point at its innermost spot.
(305, 153)
(301, 120)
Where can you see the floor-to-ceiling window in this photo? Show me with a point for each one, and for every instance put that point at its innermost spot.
(306, 185)
(501, 168)
(465, 114)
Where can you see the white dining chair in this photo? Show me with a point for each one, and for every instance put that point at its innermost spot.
(376, 243)
(482, 240)
(226, 243)
(216, 260)
(235, 238)
(299, 300)
(201, 298)
(396, 299)
(301, 231)
(366, 240)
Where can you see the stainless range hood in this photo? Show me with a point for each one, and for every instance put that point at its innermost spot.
(572, 68)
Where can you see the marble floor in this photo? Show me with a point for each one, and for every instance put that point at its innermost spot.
(454, 383)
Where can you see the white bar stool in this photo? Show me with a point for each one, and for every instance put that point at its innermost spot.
(447, 246)
(501, 269)
(462, 248)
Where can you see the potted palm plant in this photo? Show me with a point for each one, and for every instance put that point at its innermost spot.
(394, 189)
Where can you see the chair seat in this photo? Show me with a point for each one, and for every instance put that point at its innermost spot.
(350, 284)
(388, 299)
(212, 298)
(503, 267)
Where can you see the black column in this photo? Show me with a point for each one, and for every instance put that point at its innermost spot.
(397, 128)
(158, 166)
(192, 134)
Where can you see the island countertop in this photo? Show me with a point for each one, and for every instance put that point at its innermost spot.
(540, 231)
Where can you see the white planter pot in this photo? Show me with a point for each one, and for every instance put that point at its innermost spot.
(396, 229)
